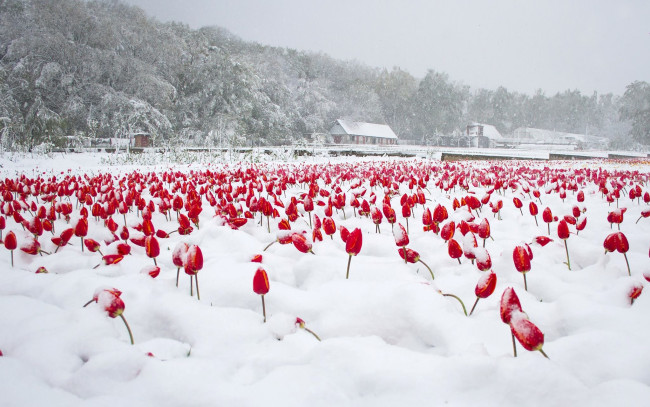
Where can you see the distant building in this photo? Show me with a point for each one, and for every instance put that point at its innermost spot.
(528, 135)
(142, 140)
(348, 132)
(483, 135)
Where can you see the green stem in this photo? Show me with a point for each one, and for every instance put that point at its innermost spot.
(196, 280)
(628, 264)
(263, 308)
(82, 243)
(474, 306)
(155, 263)
(459, 300)
(514, 345)
(347, 274)
(12, 258)
(568, 261)
(88, 303)
(268, 245)
(313, 333)
(127, 328)
(191, 286)
(178, 273)
(525, 282)
(544, 353)
(428, 268)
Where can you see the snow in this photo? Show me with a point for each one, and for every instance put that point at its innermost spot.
(388, 336)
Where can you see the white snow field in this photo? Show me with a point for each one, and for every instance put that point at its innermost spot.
(388, 336)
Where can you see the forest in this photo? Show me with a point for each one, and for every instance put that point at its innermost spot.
(94, 70)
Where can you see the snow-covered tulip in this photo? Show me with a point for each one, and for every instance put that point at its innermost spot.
(518, 204)
(41, 270)
(509, 304)
(10, 244)
(377, 217)
(93, 246)
(485, 287)
(110, 301)
(616, 216)
(618, 241)
(644, 214)
(193, 264)
(353, 247)
(411, 256)
(178, 257)
(527, 333)
(301, 243)
(635, 292)
(261, 286)
(448, 230)
(152, 271)
(257, 258)
(301, 324)
(484, 230)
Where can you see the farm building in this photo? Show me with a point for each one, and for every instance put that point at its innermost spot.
(528, 135)
(483, 135)
(348, 132)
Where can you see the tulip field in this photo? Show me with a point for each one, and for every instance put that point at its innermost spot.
(323, 281)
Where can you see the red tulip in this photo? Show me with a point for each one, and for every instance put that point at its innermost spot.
(644, 214)
(484, 230)
(81, 230)
(547, 216)
(193, 263)
(447, 231)
(256, 258)
(111, 259)
(153, 271)
(329, 227)
(261, 286)
(635, 292)
(179, 254)
(353, 247)
(411, 256)
(580, 225)
(41, 270)
(580, 196)
(483, 260)
(485, 287)
(344, 233)
(527, 333)
(454, 250)
(32, 246)
(301, 243)
(617, 241)
(123, 249)
(400, 235)
(11, 243)
(509, 304)
(542, 240)
(521, 258)
(110, 301)
(301, 325)
(93, 246)
(377, 217)
(616, 216)
(152, 248)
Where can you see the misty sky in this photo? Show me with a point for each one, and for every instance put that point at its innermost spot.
(523, 45)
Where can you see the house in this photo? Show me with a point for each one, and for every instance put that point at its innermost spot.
(348, 132)
(483, 135)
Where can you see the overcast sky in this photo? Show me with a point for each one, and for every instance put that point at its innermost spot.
(553, 45)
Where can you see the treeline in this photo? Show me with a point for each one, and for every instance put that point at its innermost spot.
(101, 69)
